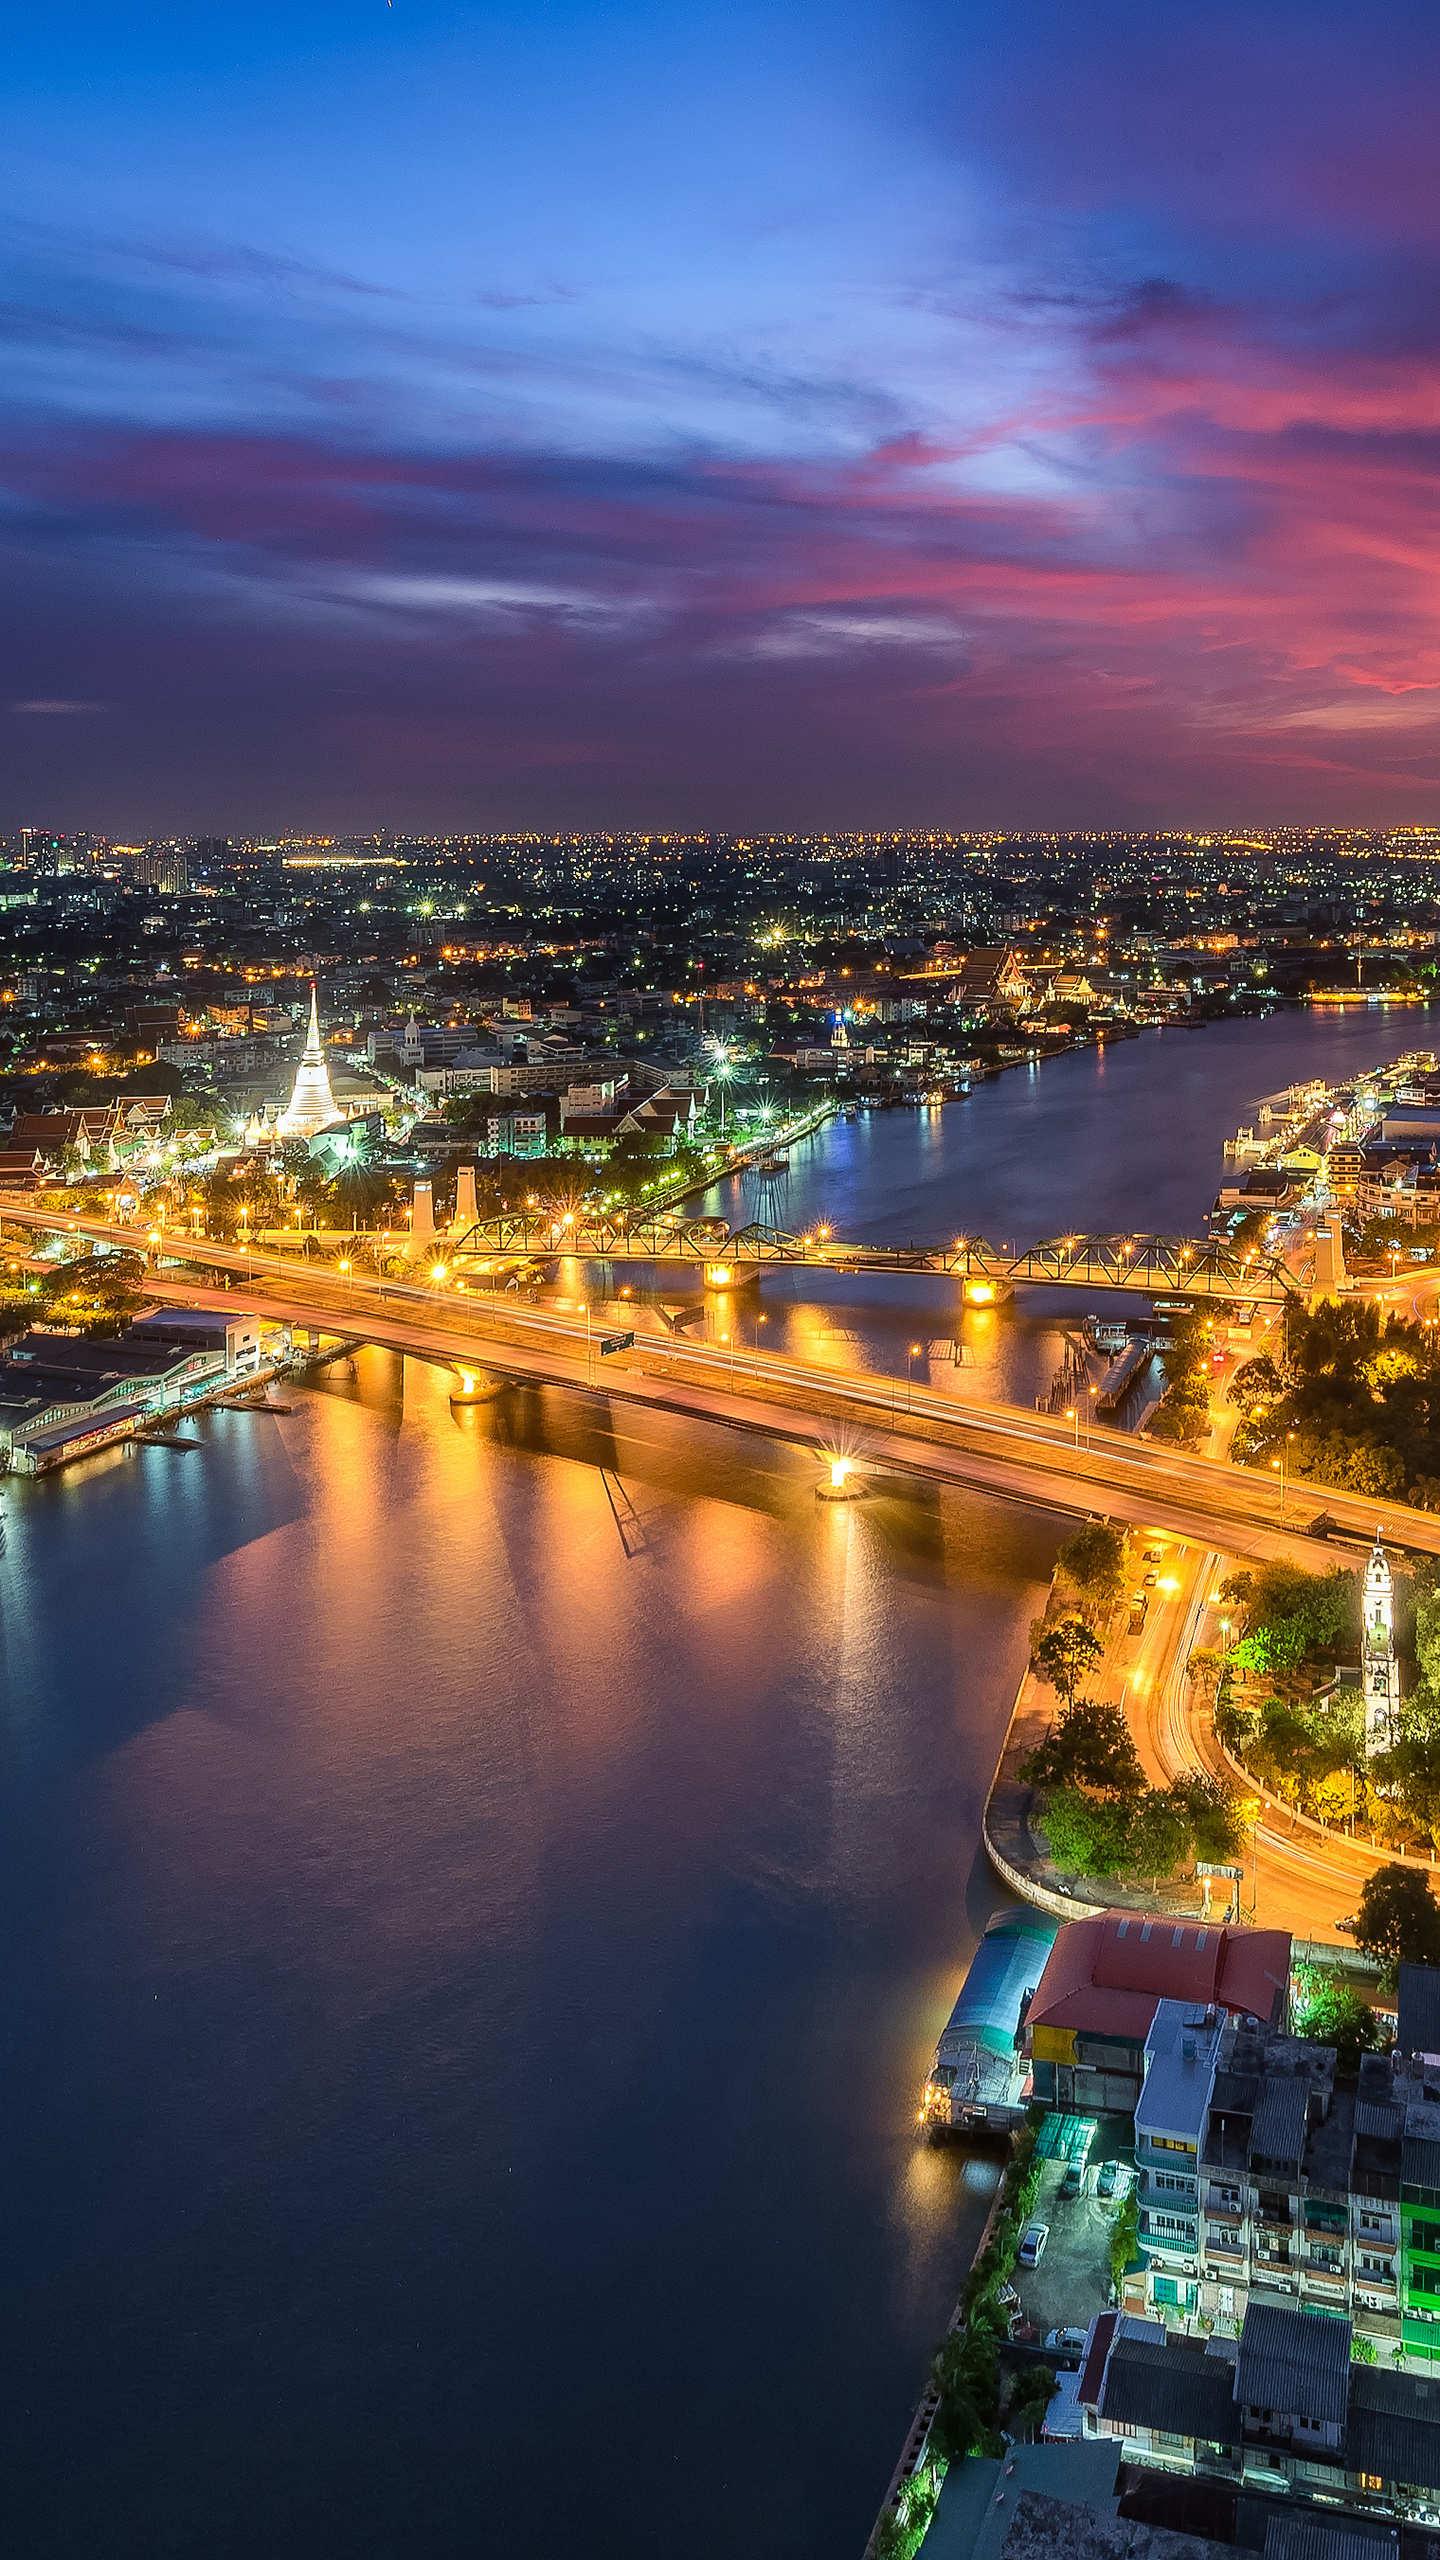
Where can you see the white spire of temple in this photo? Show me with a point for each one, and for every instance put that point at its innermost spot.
(312, 1105)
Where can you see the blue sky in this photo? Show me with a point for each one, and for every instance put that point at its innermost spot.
(464, 416)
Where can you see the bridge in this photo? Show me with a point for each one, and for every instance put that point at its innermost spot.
(887, 1426)
(1142, 1266)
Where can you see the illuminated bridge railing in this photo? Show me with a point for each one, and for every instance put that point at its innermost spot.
(1144, 1265)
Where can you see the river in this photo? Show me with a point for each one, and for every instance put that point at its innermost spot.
(479, 1892)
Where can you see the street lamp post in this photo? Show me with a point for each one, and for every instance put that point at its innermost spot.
(911, 1356)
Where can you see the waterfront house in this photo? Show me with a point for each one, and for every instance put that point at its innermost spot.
(1106, 1976)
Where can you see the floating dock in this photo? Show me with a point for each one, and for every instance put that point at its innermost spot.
(978, 2077)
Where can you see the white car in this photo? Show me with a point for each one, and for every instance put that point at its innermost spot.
(1065, 2342)
(1032, 2243)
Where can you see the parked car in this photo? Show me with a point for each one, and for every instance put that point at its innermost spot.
(1154, 1555)
(1105, 2182)
(1032, 2243)
(1073, 2182)
(1065, 2342)
(1150, 1581)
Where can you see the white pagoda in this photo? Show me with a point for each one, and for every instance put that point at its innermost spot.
(312, 1105)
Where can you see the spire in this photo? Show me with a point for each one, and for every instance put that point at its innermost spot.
(312, 1105)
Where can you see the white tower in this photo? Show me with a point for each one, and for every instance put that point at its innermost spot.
(1381, 1671)
(312, 1105)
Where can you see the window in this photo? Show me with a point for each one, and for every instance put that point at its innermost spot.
(1426, 2235)
(1369, 2480)
(1167, 2142)
(1227, 2302)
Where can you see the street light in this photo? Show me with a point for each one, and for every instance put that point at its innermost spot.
(724, 1070)
(911, 1356)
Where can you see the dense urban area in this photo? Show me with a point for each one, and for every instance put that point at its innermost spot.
(264, 1101)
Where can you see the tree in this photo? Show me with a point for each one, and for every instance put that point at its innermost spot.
(1216, 1832)
(1397, 1920)
(1255, 1382)
(1124, 2240)
(1329, 2010)
(1089, 1747)
(1094, 1560)
(1088, 1835)
(1063, 1654)
(1159, 1833)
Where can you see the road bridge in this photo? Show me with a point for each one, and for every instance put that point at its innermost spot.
(1141, 1266)
(886, 1424)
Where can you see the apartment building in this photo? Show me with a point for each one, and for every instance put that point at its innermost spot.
(1282, 2411)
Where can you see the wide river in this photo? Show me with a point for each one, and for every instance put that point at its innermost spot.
(479, 1892)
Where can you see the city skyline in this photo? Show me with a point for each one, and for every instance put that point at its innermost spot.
(419, 421)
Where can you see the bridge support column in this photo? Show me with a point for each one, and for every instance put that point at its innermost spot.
(980, 1292)
(466, 1212)
(422, 1216)
(1331, 1276)
(477, 1386)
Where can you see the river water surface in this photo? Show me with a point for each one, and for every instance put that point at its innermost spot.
(479, 1892)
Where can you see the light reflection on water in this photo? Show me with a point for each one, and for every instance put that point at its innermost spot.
(481, 1888)
(458, 1940)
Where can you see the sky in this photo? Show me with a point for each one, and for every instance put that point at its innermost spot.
(639, 415)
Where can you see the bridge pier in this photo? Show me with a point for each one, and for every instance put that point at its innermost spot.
(466, 1209)
(980, 1292)
(1331, 1277)
(477, 1386)
(422, 1216)
(724, 1277)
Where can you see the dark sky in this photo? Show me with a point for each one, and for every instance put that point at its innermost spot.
(678, 414)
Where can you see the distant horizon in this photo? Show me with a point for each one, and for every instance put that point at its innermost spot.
(1240, 834)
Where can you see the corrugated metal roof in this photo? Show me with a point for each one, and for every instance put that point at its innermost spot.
(1417, 2023)
(1278, 2129)
(1311, 2538)
(1297, 2362)
(1007, 1963)
(1178, 2388)
(1394, 2429)
(1420, 2161)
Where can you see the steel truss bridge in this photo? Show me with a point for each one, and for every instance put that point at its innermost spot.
(1146, 1266)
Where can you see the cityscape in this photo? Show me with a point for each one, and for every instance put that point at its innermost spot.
(720, 1285)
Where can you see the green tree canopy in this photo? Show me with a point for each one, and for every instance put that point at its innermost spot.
(1397, 1920)
(1089, 1747)
(1331, 2011)
(1093, 1558)
(1064, 1652)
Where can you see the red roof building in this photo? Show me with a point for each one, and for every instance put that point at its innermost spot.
(1095, 2002)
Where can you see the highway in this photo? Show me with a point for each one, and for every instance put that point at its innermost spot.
(878, 1421)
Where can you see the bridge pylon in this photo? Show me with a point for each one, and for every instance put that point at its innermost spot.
(1331, 1278)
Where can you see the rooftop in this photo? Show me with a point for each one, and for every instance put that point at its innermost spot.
(1108, 1972)
(1296, 2362)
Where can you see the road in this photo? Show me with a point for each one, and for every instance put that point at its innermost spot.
(1294, 1879)
(879, 1421)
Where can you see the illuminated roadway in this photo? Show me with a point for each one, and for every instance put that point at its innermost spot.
(1295, 1878)
(882, 1424)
